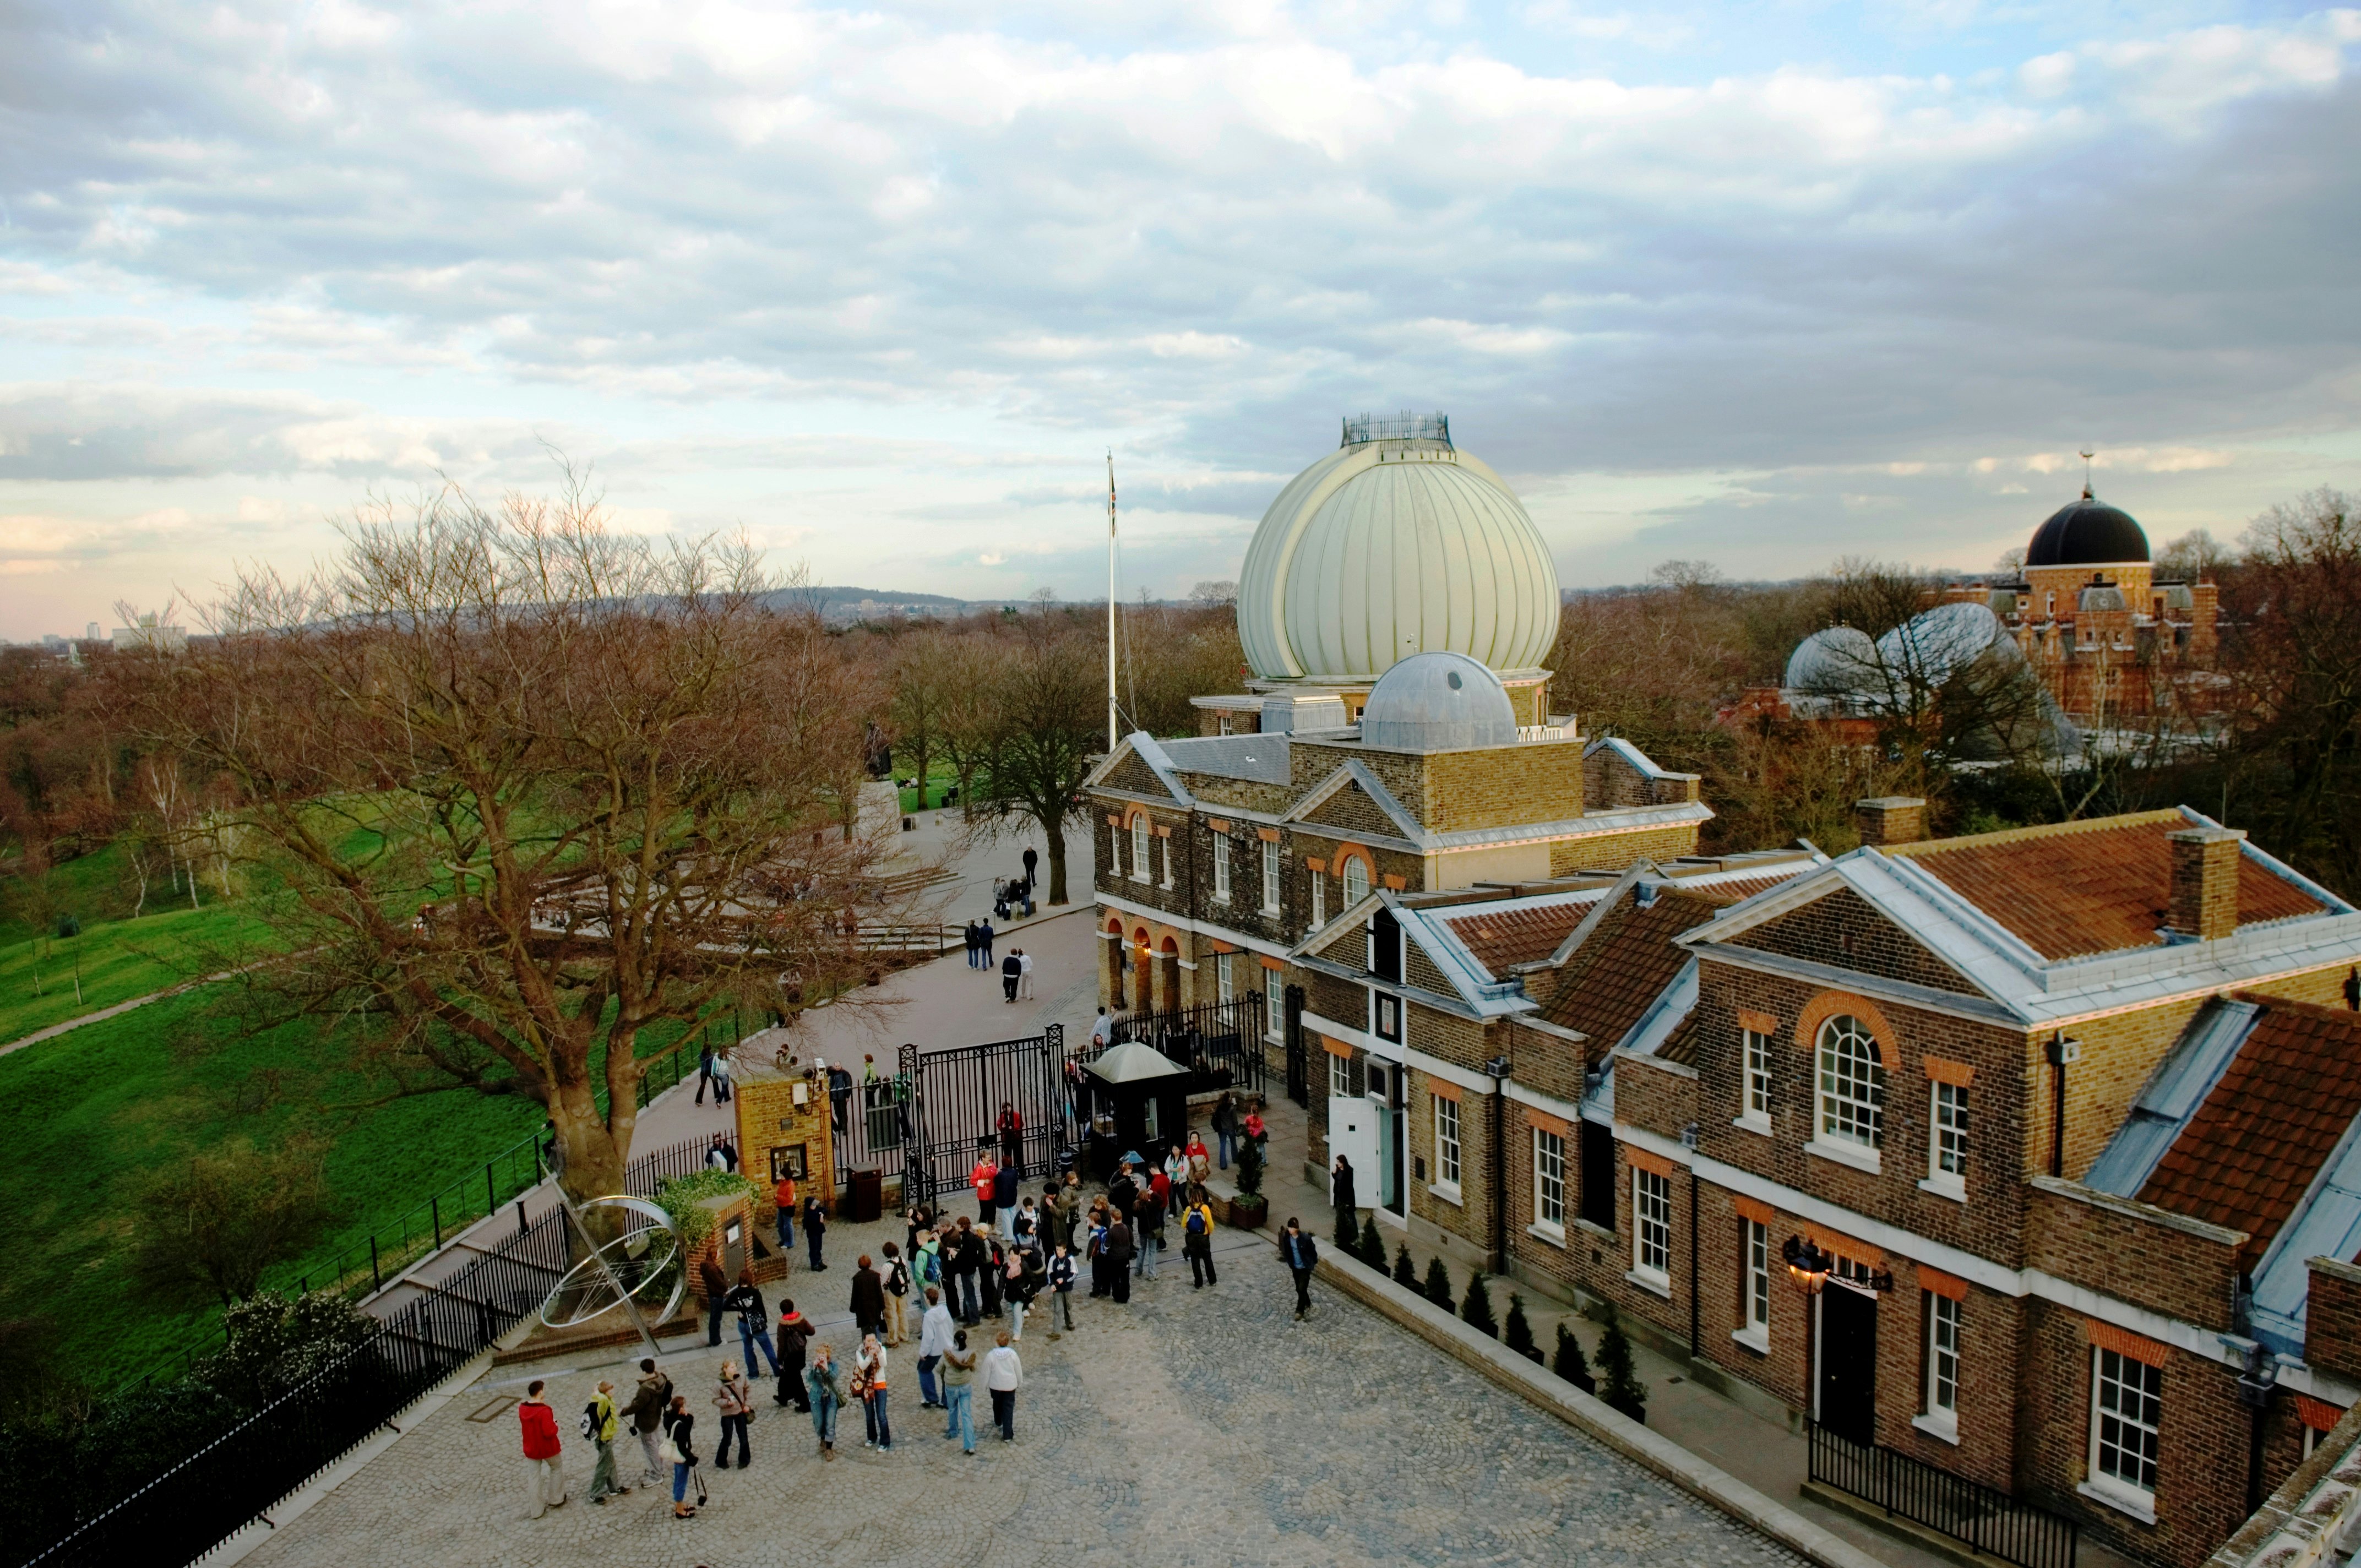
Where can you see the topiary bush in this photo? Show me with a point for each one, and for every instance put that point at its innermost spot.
(1372, 1250)
(1405, 1271)
(1570, 1364)
(1250, 1164)
(1477, 1308)
(1618, 1385)
(1438, 1284)
(1517, 1334)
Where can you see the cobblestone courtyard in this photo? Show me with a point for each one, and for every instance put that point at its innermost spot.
(1194, 1427)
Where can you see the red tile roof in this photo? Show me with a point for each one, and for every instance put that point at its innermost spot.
(2076, 889)
(2250, 1153)
(1626, 962)
(1502, 938)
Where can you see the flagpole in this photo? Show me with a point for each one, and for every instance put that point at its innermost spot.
(1112, 736)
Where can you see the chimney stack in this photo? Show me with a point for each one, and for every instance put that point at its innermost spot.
(1889, 820)
(2204, 905)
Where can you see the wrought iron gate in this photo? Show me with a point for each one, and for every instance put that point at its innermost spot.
(955, 1098)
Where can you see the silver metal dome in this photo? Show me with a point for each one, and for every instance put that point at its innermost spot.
(1438, 702)
(1841, 658)
(1388, 547)
(2102, 596)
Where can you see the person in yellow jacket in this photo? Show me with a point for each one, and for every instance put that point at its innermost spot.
(600, 1424)
(1197, 1240)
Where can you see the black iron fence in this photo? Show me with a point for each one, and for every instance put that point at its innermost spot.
(1221, 1043)
(247, 1467)
(1984, 1518)
(954, 1106)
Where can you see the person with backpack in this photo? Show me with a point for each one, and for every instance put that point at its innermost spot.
(600, 1424)
(794, 1338)
(754, 1323)
(927, 1261)
(827, 1399)
(815, 1231)
(545, 1469)
(1197, 1240)
(1299, 1253)
(1061, 1275)
(733, 1397)
(679, 1426)
(649, 1403)
(897, 1291)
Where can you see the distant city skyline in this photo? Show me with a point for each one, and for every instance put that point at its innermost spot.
(881, 287)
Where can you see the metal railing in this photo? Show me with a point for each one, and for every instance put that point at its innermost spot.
(1221, 1043)
(1984, 1517)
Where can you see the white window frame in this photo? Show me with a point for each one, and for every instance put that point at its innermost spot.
(1319, 901)
(1446, 1145)
(1848, 1116)
(1166, 840)
(1115, 850)
(1939, 1391)
(1223, 986)
(1754, 1285)
(1755, 1055)
(1220, 868)
(1355, 869)
(1225, 725)
(1652, 1230)
(1549, 1183)
(1274, 1003)
(1141, 835)
(1270, 876)
(2122, 1389)
(1948, 1128)
(1340, 1076)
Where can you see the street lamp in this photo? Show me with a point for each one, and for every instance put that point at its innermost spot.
(1807, 1265)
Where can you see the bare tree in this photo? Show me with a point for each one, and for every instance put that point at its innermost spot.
(535, 790)
(1046, 731)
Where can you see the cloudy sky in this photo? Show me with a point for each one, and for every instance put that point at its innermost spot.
(1763, 285)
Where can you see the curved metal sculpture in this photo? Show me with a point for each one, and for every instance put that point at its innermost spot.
(643, 1256)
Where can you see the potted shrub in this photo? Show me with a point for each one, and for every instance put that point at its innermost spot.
(1517, 1334)
(1372, 1250)
(1405, 1271)
(1570, 1364)
(1477, 1309)
(1438, 1284)
(1249, 1209)
(1618, 1385)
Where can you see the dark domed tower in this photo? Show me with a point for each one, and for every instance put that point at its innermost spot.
(2084, 543)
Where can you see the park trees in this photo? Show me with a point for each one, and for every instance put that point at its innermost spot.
(1043, 729)
(536, 789)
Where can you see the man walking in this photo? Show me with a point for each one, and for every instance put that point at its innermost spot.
(986, 934)
(897, 1291)
(868, 1298)
(600, 1424)
(1004, 1373)
(795, 1343)
(1012, 969)
(1300, 1253)
(1120, 1250)
(649, 1403)
(1003, 1202)
(973, 944)
(1024, 975)
(715, 1286)
(545, 1472)
(815, 1231)
(704, 1072)
(1061, 1284)
(1197, 1241)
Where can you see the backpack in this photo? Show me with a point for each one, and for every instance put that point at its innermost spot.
(590, 1423)
(1196, 1224)
(898, 1280)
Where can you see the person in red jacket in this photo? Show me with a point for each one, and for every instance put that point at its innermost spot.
(545, 1470)
(984, 1175)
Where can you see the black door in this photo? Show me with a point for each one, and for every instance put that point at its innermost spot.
(1848, 1363)
(1299, 1070)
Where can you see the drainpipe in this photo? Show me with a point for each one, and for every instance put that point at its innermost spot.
(2255, 1384)
(2060, 1051)
(1690, 1139)
(1498, 1068)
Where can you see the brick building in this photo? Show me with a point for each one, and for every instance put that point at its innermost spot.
(2063, 1125)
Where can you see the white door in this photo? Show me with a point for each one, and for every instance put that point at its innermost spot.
(1353, 1122)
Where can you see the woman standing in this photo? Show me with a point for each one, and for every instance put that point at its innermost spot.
(678, 1427)
(959, 1379)
(869, 1383)
(1226, 1126)
(1176, 1177)
(754, 1323)
(815, 1229)
(733, 1397)
(1348, 1210)
(827, 1399)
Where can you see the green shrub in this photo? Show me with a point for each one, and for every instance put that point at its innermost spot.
(279, 1340)
(1517, 1334)
(1569, 1361)
(1617, 1385)
(1438, 1284)
(1372, 1250)
(1249, 1168)
(684, 1198)
(1405, 1271)
(1477, 1308)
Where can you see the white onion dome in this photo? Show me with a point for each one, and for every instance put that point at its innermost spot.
(1394, 545)
(1438, 702)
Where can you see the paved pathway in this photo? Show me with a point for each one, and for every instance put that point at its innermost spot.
(1192, 1426)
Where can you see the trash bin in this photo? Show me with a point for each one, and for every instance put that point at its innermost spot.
(866, 1202)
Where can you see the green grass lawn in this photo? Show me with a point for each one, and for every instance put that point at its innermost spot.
(117, 961)
(939, 779)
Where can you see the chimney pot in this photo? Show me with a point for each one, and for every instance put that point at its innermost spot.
(2204, 903)
(1889, 820)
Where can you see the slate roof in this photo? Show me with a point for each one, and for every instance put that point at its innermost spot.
(2279, 1110)
(2071, 891)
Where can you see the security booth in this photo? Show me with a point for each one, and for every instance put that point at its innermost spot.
(1138, 1101)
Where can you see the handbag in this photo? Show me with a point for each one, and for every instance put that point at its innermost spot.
(670, 1452)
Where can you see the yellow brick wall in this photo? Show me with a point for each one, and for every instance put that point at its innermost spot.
(1613, 852)
(769, 1119)
(1503, 787)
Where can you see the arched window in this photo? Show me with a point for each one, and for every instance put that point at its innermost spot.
(1357, 880)
(1139, 872)
(1853, 1084)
